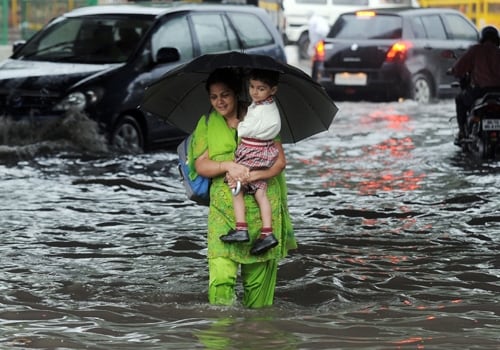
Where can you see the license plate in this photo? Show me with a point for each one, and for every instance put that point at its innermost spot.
(358, 79)
(491, 124)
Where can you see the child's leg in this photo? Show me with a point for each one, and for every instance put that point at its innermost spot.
(240, 233)
(239, 208)
(264, 207)
(266, 240)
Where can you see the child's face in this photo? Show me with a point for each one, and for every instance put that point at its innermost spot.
(259, 90)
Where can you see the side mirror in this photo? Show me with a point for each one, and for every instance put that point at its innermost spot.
(167, 55)
(17, 45)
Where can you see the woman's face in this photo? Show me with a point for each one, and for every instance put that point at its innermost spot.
(223, 99)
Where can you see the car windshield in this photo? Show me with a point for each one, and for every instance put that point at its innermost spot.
(367, 26)
(86, 40)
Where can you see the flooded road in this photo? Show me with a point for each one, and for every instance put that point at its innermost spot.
(398, 232)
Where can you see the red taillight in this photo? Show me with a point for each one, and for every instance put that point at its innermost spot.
(319, 51)
(398, 51)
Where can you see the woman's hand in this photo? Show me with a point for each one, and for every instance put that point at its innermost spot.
(237, 172)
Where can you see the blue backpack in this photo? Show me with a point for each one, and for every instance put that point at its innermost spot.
(197, 190)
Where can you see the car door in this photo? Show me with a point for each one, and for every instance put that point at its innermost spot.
(462, 34)
(172, 31)
(437, 41)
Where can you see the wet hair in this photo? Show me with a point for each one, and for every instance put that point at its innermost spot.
(268, 77)
(226, 76)
(490, 33)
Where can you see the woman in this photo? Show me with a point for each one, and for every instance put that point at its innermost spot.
(212, 151)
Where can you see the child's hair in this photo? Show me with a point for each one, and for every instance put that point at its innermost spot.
(268, 77)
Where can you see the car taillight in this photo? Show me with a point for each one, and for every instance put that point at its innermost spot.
(319, 51)
(492, 106)
(398, 51)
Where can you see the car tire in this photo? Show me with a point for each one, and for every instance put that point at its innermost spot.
(422, 89)
(127, 136)
(303, 44)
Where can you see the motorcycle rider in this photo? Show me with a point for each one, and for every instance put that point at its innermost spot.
(481, 63)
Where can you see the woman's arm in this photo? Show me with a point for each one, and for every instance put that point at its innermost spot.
(211, 168)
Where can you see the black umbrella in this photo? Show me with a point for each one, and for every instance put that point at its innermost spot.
(180, 96)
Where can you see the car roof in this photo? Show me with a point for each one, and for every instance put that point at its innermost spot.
(156, 10)
(407, 11)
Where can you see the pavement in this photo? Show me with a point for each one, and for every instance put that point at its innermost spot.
(5, 51)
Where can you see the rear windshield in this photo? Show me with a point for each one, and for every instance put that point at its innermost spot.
(352, 26)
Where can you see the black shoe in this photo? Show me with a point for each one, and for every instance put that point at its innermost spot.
(235, 236)
(262, 245)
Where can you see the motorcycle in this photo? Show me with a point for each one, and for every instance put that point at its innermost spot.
(482, 129)
(482, 126)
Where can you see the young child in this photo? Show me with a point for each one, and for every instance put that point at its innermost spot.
(257, 150)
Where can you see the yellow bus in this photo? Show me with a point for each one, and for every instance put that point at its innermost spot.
(481, 12)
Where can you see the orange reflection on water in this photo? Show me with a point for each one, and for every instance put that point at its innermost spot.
(412, 340)
(390, 119)
(369, 180)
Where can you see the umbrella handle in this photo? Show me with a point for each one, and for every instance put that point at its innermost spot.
(237, 189)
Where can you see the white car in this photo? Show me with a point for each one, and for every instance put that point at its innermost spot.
(298, 12)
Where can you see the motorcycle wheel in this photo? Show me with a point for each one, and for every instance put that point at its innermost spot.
(480, 148)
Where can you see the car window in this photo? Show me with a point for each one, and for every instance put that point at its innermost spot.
(418, 28)
(251, 30)
(214, 33)
(367, 27)
(66, 32)
(174, 33)
(434, 28)
(459, 28)
(106, 39)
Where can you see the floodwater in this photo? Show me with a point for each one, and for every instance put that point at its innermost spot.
(399, 240)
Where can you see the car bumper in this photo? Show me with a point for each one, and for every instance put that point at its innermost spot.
(391, 82)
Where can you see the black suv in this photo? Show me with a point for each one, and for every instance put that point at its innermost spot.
(100, 59)
(388, 54)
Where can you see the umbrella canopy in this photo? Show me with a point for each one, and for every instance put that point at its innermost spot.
(180, 96)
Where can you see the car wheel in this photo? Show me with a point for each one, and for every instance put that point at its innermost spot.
(303, 44)
(127, 136)
(422, 89)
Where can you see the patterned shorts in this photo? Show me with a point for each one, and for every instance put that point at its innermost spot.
(256, 154)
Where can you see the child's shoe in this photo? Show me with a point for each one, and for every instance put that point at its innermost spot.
(235, 236)
(262, 245)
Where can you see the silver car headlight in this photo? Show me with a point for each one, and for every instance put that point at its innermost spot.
(75, 101)
(78, 101)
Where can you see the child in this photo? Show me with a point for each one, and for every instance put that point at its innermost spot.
(257, 150)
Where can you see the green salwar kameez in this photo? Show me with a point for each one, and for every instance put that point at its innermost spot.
(258, 273)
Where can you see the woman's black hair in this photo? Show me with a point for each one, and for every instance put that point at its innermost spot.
(227, 76)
